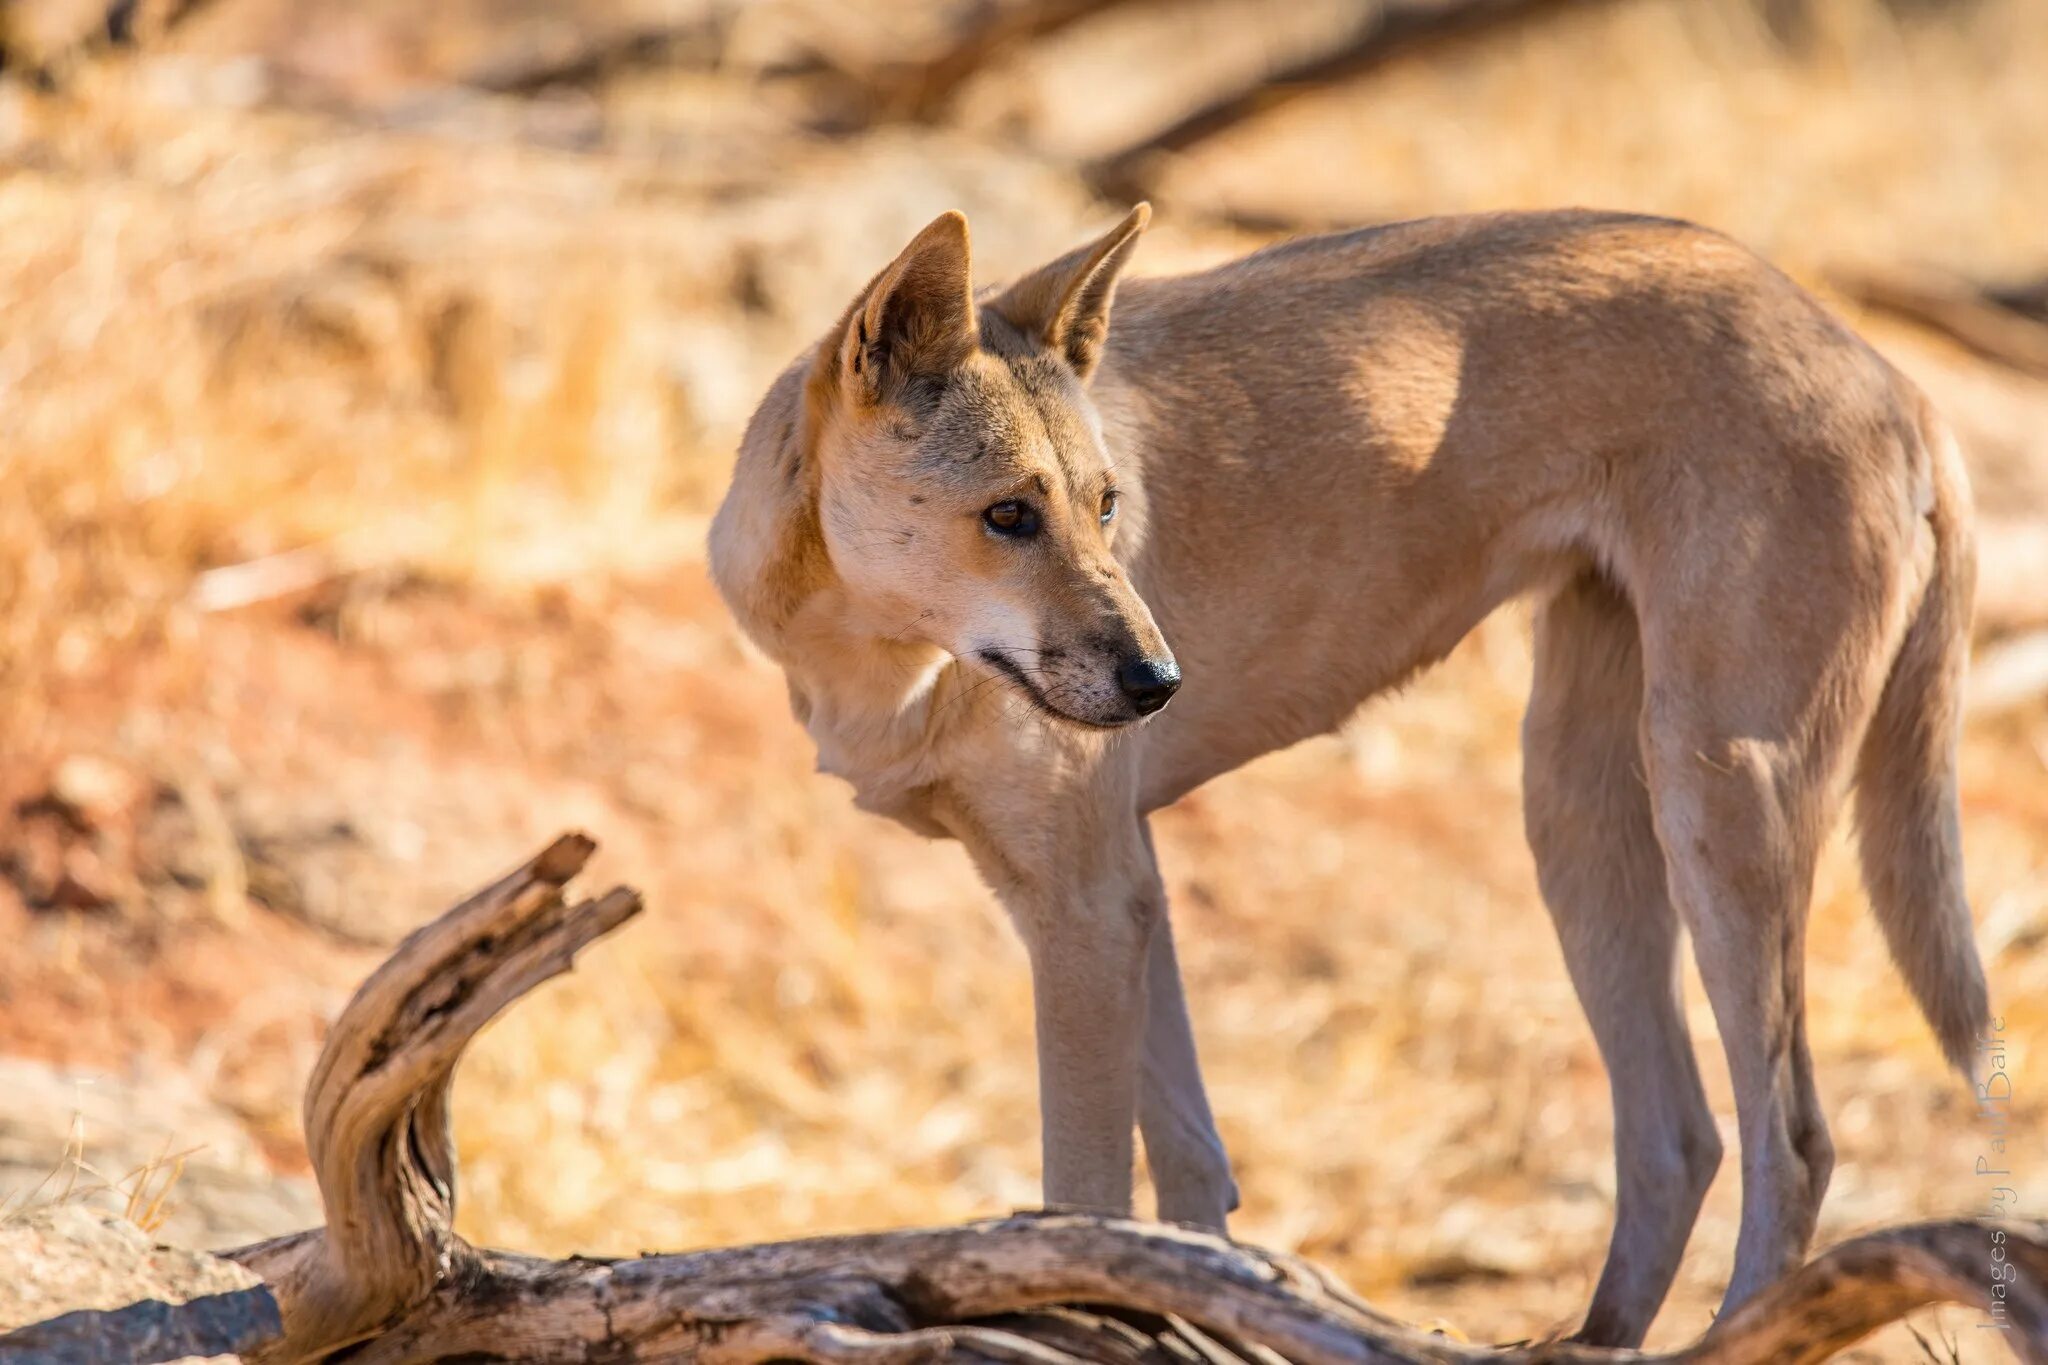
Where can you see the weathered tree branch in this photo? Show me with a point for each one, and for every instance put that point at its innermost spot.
(1393, 29)
(693, 43)
(922, 90)
(389, 1279)
(377, 1104)
(2005, 325)
(149, 1329)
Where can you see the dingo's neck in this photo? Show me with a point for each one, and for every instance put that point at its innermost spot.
(872, 707)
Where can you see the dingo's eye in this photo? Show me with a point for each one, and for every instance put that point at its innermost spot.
(1012, 518)
(1108, 506)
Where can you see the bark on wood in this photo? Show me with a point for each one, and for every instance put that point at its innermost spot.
(389, 1279)
(217, 1325)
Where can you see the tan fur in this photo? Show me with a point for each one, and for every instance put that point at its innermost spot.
(1748, 534)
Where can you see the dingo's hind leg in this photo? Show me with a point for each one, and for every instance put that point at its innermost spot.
(1602, 875)
(1764, 653)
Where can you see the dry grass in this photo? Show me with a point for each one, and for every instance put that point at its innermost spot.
(142, 1195)
(487, 388)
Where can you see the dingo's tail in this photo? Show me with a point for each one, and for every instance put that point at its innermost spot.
(1908, 825)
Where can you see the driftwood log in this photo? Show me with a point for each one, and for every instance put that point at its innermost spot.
(388, 1280)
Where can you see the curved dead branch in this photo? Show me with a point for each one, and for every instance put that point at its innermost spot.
(389, 1279)
(377, 1105)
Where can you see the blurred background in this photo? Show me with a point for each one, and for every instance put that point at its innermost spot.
(369, 371)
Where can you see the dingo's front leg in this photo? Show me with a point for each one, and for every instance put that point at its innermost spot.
(1114, 1041)
(1087, 943)
(1072, 868)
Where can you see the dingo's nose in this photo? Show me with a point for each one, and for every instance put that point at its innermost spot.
(1149, 683)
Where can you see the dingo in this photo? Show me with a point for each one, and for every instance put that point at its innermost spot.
(987, 535)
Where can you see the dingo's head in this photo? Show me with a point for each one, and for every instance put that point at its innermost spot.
(939, 466)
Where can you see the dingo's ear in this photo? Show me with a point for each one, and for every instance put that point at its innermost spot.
(916, 319)
(1065, 305)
